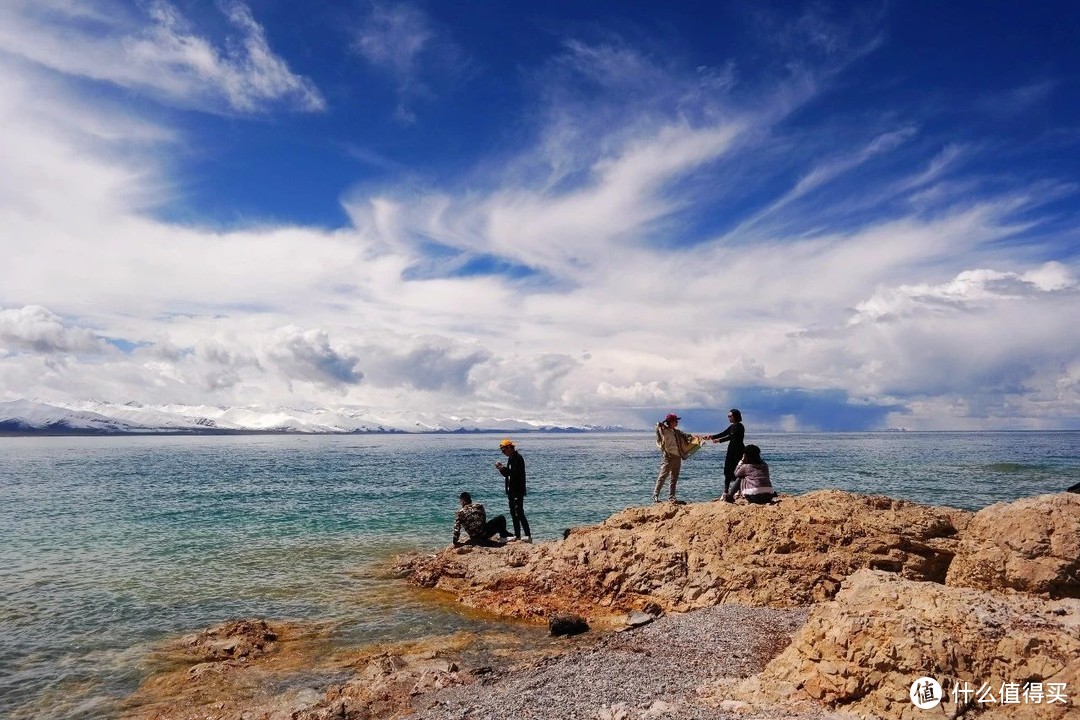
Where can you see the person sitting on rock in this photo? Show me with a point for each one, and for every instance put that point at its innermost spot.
(752, 474)
(472, 517)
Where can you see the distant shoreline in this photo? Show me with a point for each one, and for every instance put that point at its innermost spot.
(298, 433)
(67, 432)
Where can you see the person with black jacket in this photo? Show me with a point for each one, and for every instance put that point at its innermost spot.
(514, 474)
(734, 437)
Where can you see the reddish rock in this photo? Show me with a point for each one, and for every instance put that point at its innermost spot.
(231, 641)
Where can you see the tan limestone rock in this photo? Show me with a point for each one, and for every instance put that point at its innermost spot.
(862, 651)
(1031, 545)
(682, 557)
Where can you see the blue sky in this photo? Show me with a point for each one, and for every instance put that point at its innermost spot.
(833, 216)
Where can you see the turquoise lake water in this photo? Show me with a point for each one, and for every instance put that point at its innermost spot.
(110, 545)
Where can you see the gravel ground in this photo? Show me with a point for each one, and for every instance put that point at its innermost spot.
(653, 671)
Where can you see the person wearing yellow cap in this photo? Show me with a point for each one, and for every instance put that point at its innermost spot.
(513, 473)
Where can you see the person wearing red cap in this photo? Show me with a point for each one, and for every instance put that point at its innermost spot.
(514, 474)
(674, 444)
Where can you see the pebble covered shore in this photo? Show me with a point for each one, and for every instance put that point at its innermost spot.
(654, 671)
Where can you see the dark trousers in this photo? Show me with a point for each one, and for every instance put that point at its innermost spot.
(496, 525)
(731, 483)
(517, 514)
(763, 499)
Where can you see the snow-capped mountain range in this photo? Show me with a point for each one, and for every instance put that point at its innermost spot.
(94, 418)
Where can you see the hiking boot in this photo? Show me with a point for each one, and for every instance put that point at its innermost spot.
(527, 539)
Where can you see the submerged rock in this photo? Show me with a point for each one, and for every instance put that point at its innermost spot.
(231, 640)
(280, 682)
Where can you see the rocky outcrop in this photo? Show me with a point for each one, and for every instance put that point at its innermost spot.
(223, 670)
(231, 641)
(266, 671)
(898, 591)
(385, 686)
(681, 557)
(862, 651)
(1031, 545)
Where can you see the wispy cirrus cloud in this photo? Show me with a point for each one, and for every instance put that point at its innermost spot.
(403, 41)
(159, 53)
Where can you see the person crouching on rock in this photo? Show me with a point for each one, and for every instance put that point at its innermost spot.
(474, 520)
(514, 474)
(674, 444)
(752, 475)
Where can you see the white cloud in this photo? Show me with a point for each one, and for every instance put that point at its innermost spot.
(307, 355)
(401, 40)
(35, 329)
(617, 298)
(159, 53)
(426, 363)
(393, 37)
(968, 291)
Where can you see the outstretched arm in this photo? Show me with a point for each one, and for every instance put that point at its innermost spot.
(722, 436)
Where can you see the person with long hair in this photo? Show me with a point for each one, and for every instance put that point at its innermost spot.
(733, 436)
(752, 474)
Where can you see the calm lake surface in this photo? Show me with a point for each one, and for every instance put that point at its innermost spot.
(109, 545)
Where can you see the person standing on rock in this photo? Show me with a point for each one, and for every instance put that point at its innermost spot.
(734, 438)
(675, 445)
(474, 520)
(514, 474)
(752, 474)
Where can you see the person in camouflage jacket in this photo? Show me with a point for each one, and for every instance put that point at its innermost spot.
(472, 518)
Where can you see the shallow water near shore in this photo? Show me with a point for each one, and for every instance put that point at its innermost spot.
(110, 545)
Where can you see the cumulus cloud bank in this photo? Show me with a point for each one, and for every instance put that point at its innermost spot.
(685, 250)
